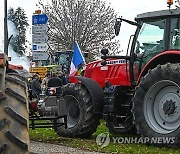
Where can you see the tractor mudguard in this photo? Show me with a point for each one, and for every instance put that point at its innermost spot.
(170, 56)
(96, 92)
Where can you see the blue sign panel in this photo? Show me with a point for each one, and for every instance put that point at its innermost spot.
(34, 47)
(39, 19)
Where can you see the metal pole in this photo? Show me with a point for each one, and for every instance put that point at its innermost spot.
(5, 29)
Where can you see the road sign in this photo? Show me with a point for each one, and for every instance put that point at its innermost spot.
(39, 19)
(39, 38)
(40, 47)
(40, 55)
(43, 29)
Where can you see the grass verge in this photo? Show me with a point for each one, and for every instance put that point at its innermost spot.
(48, 135)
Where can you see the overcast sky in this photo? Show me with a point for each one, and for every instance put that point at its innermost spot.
(126, 8)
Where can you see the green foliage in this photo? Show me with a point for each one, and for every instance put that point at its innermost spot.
(20, 21)
(48, 135)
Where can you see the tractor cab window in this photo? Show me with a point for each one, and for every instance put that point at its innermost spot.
(175, 34)
(150, 41)
(63, 59)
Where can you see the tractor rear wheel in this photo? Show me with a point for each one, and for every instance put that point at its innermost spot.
(81, 119)
(14, 116)
(156, 107)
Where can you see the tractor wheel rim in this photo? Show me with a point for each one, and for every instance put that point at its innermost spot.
(162, 107)
(73, 111)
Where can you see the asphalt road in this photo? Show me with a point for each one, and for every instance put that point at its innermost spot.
(48, 148)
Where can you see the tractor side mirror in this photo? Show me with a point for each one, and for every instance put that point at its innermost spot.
(104, 51)
(117, 26)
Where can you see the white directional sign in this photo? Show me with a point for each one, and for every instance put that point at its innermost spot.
(39, 33)
(40, 55)
(39, 38)
(43, 29)
(40, 47)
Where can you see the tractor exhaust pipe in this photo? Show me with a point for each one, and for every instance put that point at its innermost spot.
(5, 29)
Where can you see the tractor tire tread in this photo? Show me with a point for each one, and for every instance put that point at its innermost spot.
(165, 72)
(88, 125)
(14, 116)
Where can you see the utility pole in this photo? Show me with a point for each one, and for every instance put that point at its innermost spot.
(5, 29)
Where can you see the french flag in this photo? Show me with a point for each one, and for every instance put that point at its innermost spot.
(77, 59)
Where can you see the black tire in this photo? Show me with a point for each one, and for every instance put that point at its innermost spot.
(156, 104)
(82, 123)
(14, 116)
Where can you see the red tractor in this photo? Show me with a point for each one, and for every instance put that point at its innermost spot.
(140, 91)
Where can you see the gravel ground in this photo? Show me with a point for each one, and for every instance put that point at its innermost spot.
(47, 148)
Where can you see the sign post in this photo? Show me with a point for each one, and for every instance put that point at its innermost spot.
(40, 47)
(39, 19)
(40, 55)
(40, 37)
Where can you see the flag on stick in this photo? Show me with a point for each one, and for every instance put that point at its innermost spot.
(77, 59)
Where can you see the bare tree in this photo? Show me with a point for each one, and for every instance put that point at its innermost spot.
(177, 3)
(89, 22)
